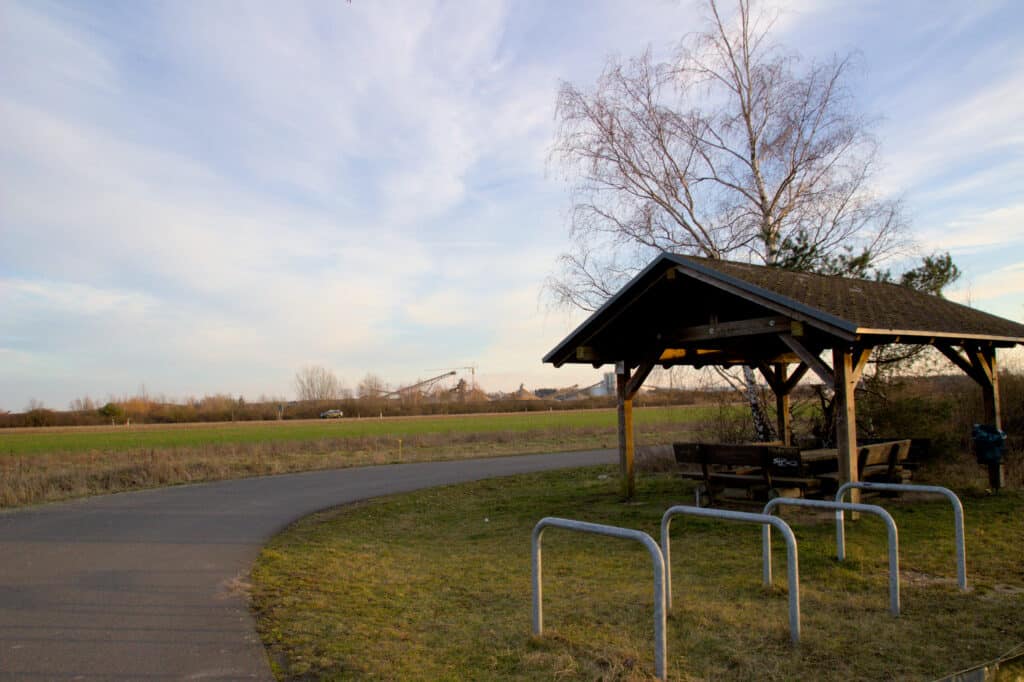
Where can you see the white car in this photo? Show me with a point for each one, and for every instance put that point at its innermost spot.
(332, 414)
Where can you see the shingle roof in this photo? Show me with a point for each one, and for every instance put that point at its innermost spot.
(653, 305)
(868, 306)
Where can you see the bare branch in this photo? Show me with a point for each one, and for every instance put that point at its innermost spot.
(735, 148)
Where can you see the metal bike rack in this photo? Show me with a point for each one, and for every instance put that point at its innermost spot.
(615, 532)
(958, 518)
(894, 559)
(792, 562)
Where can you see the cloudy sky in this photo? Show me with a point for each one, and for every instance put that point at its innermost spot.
(202, 197)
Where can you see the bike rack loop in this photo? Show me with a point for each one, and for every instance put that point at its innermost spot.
(616, 532)
(792, 562)
(894, 558)
(958, 518)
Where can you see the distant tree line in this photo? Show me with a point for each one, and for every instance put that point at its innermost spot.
(225, 408)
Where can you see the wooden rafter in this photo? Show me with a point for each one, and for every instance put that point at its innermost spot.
(811, 360)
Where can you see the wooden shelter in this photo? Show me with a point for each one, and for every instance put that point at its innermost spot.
(683, 310)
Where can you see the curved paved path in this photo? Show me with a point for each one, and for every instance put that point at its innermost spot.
(146, 585)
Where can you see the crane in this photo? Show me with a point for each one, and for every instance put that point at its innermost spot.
(472, 373)
(426, 383)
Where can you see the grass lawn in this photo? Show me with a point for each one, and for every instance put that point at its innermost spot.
(42, 465)
(435, 585)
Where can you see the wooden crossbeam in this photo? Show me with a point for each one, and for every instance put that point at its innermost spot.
(795, 378)
(638, 378)
(679, 353)
(784, 386)
(722, 330)
(984, 362)
(811, 360)
(860, 361)
(966, 364)
(963, 363)
(769, 374)
(700, 357)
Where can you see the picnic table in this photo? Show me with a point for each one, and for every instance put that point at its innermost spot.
(821, 460)
(766, 470)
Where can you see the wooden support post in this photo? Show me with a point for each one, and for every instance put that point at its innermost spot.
(782, 384)
(981, 365)
(993, 414)
(625, 405)
(846, 422)
(782, 419)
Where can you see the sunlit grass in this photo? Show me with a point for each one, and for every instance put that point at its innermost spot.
(436, 585)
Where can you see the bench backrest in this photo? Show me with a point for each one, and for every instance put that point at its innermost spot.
(903, 450)
(687, 453)
(781, 460)
(872, 455)
(732, 455)
(890, 452)
(784, 461)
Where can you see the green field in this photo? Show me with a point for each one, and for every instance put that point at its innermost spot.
(48, 464)
(120, 438)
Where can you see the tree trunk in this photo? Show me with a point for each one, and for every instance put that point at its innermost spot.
(762, 427)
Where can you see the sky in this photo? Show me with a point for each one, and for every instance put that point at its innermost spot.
(204, 197)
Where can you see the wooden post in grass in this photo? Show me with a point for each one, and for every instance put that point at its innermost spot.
(782, 418)
(846, 423)
(985, 359)
(979, 362)
(625, 415)
(627, 384)
(782, 384)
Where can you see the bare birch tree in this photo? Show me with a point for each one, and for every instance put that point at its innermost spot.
(735, 148)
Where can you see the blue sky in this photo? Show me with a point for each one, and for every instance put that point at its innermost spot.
(202, 197)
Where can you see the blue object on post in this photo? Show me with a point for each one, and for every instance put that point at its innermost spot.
(989, 443)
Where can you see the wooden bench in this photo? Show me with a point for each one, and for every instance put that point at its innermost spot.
(761, 470)
(881, 462)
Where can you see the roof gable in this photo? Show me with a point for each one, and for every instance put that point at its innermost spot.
(674, 293)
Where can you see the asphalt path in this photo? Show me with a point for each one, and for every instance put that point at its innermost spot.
(151, 585)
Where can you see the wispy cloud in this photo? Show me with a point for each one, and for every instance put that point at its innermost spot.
(206, 196)
(1001, 227)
